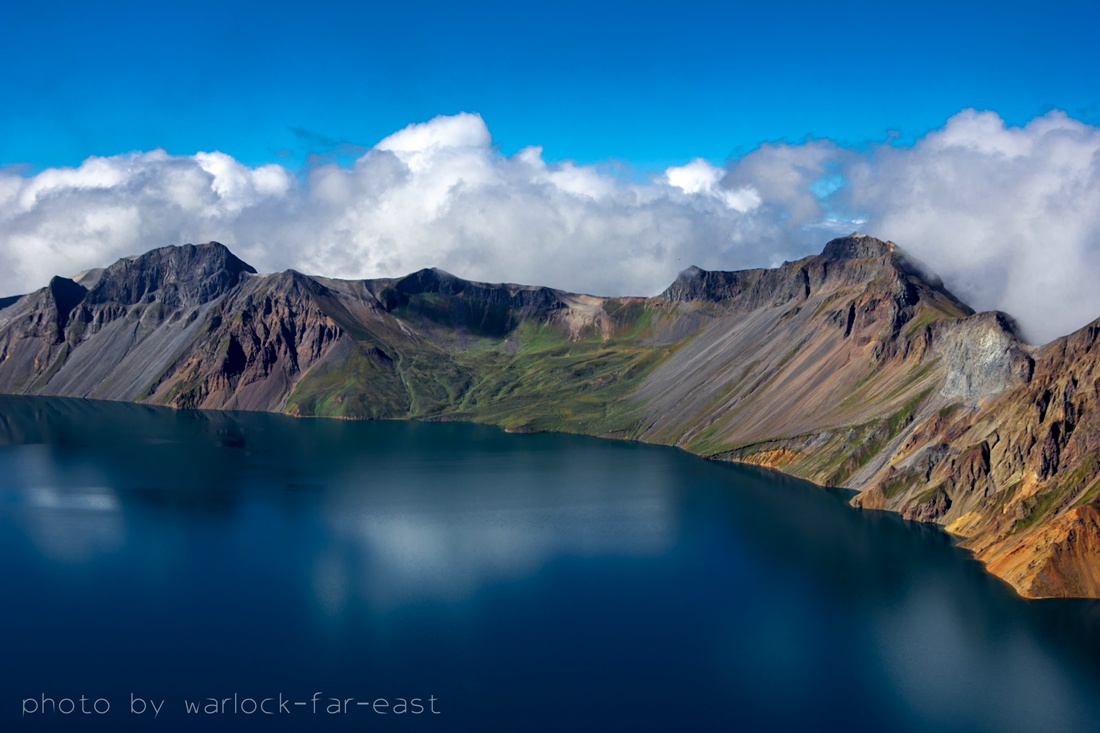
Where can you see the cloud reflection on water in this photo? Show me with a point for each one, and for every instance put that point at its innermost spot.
(388, 556)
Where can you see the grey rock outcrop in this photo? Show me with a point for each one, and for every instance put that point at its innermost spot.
(983, 356)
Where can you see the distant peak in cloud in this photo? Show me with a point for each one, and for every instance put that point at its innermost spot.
(1008, 216)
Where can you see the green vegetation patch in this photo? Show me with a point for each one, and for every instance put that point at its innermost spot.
(535, 378)
(904, 416)
(869, 441)
(929, 496)
(949, 410)
(1086, 477)
(925, 316)
(1037, 508)
(630, 317)
(476, 316)
(911, 379)
(358, 381)
(552, 383)
(903, 483)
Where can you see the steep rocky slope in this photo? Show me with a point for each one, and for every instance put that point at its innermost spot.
(1018, 474)
(853, 367)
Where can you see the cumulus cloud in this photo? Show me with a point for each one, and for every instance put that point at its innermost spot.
(1010, 217)
(433, 194)
(700, 177)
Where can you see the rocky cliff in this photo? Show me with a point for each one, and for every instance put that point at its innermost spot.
(854, 367)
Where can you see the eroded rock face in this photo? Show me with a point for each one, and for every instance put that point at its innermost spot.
(256, 344)
(112, 340)
(64, 296)
(1016, 463)
(854, 368)
(983, 356)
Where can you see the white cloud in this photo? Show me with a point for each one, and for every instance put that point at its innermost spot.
(238, 186)
(1010, 217)
(459, 131)
(700, 177)
(433, 194)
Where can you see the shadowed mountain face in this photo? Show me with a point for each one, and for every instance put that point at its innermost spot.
(854, 368)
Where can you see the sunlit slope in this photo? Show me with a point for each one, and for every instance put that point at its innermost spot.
(790, 356)
(563, 362)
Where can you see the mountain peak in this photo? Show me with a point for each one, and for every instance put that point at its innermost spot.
(431, 280)
(857, 246)
(187, 274)
(695, 283)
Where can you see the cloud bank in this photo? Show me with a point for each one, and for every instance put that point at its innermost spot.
(1008, 216)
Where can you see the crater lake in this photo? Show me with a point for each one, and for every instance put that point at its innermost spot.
(170, 570)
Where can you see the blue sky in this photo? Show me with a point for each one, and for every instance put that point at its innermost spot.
(595, 147)
(649, 83)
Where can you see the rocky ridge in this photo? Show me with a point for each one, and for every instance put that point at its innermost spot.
(854, 368)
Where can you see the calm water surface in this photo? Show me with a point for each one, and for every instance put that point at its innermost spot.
(510, 583)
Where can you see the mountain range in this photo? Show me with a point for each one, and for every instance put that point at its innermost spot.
(855, 367)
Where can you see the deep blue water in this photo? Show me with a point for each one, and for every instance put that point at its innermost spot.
(525, 582)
